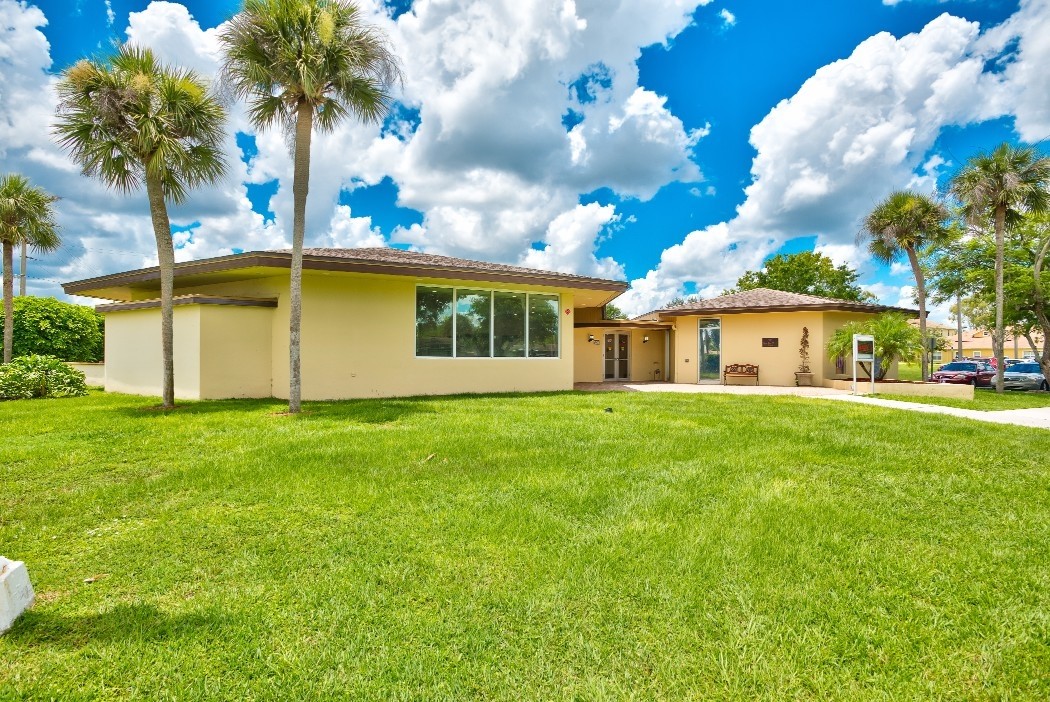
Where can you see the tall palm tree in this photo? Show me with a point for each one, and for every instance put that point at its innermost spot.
(130, 120)
(302, 64)
(26, 217)
(1003, 185)
(907, 223)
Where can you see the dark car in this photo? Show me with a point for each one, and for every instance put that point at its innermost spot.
(965, 373)
(1024, 376)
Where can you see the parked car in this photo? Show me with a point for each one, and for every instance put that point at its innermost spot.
(965, 373)
(1024, 376)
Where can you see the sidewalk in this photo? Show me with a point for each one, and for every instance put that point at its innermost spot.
(1038, 418)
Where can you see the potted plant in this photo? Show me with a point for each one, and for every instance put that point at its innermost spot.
(803, 376)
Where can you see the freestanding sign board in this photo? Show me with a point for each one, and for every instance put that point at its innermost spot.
(863, 352)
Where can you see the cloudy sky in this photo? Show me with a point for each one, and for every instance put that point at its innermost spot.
(671, 143)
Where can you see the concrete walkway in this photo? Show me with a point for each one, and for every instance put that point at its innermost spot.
(1038, 417)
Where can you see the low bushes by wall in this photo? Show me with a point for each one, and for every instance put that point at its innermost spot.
(27, 377)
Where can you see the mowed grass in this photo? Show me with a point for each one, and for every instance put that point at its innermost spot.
(524, 548)
(984, 400)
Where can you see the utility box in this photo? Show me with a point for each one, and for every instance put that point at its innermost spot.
(16, 592)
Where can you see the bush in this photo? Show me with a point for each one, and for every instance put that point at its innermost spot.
(46, 326)
(39, 376)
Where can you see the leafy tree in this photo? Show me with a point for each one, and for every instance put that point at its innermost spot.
(904, 224)
(48, 327)
(895, 340)
(806, 272)
(303, 64)
(26, 215)
(1002, 186)
(679, 301)
(130, 120)
(614, 312)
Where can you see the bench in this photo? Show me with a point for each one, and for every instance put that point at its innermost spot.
(740, 370)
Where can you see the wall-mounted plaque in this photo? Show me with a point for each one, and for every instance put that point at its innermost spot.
(770, 343)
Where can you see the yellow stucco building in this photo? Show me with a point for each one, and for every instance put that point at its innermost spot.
(384, 322)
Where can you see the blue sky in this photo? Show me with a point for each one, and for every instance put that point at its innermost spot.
(613, 142)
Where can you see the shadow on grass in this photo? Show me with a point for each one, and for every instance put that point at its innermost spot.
(122, 623)
(368, 411)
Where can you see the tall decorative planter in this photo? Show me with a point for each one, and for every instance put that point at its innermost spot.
(803, 376)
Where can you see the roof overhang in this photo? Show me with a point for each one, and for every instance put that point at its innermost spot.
(257, 264)
(191, 300)
(622, 324)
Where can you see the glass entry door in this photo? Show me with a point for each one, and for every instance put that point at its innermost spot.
(617, 350)
(710, 352)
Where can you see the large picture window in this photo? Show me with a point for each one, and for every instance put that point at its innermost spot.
(508, 325)
(467, 323)
(434, 322)
(543, 325)
(473, 323)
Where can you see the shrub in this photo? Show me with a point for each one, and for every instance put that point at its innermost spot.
(39, 376)
(46, 326)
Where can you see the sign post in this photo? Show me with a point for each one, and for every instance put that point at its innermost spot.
(863, 352)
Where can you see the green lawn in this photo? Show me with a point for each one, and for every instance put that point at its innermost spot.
(910, 371)
(984, 399)
(524, 547)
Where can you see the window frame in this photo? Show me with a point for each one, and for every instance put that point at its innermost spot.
(492, 324)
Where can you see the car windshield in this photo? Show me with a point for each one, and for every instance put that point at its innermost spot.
(1024, 368)
(959, 367)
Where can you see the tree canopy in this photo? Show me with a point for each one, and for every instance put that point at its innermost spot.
(807, 272)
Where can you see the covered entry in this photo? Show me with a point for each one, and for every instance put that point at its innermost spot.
(611, 350)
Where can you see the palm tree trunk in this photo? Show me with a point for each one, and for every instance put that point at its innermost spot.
(920, 285)
(1000, 331)
(9, 304)
(166, 257)
(300, 188)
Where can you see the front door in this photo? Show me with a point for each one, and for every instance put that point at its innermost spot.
(710, 366)
(617, 350)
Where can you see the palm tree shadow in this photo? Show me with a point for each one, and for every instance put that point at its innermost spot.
(123, 623)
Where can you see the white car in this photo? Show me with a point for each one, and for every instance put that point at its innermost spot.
(1024, 376)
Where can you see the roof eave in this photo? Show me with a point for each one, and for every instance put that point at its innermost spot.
(281, 260)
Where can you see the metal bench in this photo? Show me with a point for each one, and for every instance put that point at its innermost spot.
(740, 370)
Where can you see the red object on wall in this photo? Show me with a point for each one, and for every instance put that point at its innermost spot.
(568, 311)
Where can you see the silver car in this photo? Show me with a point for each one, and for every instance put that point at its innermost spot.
(1024, 376)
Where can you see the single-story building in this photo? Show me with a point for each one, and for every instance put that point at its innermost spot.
(381, 322)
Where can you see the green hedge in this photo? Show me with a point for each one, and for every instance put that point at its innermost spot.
(46, 326)
(39, 376)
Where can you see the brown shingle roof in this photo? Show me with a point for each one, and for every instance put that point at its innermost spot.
(368, 260)
(766, 300)
(416, 258)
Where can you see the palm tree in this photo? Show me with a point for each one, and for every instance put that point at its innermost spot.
(26, 217)
(895, 340)
(1003, 185)
(302, 64)
(130, 120)
(907, 223)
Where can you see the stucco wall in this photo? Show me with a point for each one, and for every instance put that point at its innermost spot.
(235, 351)
(647, 357)
(94, 373)
(358, 340)
(742, 336)
(587, 357)
(133, 353)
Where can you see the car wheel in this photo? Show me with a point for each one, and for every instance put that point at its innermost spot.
(1045, 386)
(974, 382)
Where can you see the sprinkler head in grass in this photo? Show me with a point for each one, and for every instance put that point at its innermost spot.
(608, 409)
